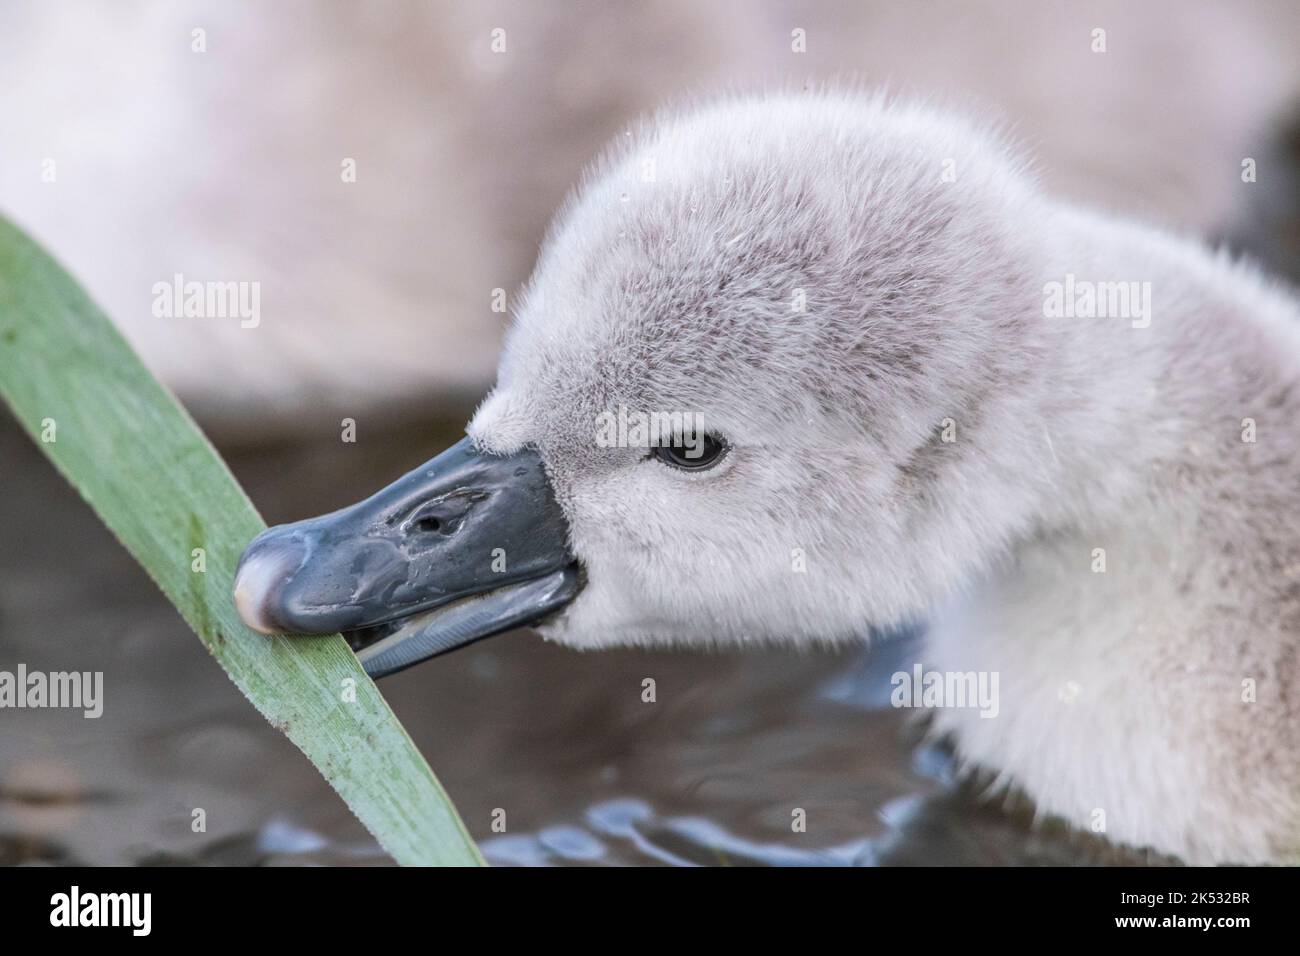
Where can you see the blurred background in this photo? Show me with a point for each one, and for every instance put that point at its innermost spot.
(210, 139)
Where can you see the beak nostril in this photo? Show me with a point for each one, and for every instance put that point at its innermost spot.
(445, 515)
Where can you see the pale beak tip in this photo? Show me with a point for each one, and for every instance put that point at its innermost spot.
(258, 580)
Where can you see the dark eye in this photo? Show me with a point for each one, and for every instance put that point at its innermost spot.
(700, 455)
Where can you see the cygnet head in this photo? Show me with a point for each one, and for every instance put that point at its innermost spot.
(827, 285)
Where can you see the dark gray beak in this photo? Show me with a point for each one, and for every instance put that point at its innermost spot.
(466, 546)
